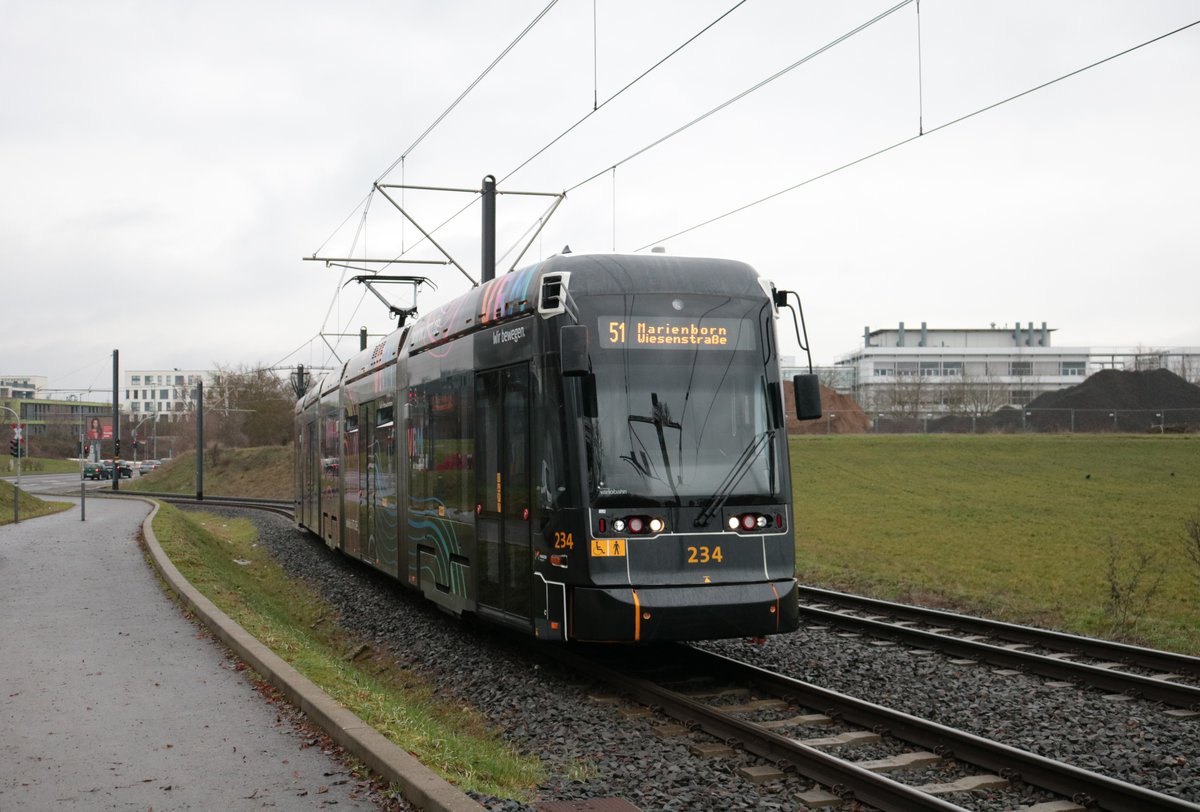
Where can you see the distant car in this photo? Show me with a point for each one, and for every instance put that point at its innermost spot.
(147, 467)
(96, 470)
(125, 469)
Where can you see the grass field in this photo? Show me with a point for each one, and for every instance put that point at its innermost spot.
(1021, 528)
(1038, 529)
(262, 473)
(1015, 527)
(30, 507)
(41, 465)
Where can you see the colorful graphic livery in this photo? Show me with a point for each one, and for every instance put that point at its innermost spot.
(591, 448)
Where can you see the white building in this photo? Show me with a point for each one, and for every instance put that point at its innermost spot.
(976, 371)
(22, 387)
(168, 393)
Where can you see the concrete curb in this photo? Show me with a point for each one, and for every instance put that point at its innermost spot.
(418, 783)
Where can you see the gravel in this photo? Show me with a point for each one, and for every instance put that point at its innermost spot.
(564, 720)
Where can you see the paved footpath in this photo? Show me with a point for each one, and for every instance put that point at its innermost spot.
(111, 699)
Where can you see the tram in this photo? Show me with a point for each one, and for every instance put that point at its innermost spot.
(590, 448)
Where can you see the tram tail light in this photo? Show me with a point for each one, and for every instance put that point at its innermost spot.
(749, 522)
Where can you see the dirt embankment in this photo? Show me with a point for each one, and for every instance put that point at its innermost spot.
(839, 414)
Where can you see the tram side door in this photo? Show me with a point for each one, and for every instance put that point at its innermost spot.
(366, 470)
(502, 488)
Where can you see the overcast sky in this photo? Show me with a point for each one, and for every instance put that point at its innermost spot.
(166, 165)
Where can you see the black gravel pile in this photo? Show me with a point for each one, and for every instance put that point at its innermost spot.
(593, 751)
(1119, 400)
(1121, 389)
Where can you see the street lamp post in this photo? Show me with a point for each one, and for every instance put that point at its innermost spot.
(133, 434)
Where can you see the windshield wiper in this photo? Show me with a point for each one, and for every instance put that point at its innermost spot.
(739, 470)
(660, 419)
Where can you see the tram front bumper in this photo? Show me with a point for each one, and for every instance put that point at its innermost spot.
(708, 612)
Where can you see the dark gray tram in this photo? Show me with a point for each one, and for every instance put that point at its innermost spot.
(590, 448)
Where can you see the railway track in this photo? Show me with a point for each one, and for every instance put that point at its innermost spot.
(279, 507)
(1158, 676)
(800, 730)
(773, 717)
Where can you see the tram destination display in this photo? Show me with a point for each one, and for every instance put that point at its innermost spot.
(645, 332)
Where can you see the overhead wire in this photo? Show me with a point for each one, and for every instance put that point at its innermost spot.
(919, 135)
(748, 91)
(404, 155)
(598, 107)
(466, 92)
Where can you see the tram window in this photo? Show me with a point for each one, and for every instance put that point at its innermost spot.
(487, 443)
(384, 417)
(442, 447)
(551, 474)
(516, 439)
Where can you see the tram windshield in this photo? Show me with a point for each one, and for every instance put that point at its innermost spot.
(682, 397)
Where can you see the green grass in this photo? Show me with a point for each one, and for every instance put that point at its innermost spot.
(30, 507)
(219, 557)
(262, 473)
(1014, 527)
(41, 465)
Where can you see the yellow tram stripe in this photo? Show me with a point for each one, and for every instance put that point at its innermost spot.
(637, 617)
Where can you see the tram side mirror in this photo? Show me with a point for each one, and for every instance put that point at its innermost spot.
(591, 403)
(574, 344)
(807, 389)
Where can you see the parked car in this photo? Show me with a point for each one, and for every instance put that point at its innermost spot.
(96, 470)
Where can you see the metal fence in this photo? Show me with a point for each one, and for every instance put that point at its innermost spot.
(1016, 420)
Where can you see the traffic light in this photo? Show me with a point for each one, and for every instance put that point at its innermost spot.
(14, 447)
(116, 448)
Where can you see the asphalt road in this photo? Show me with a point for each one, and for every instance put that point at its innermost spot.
(113, 700)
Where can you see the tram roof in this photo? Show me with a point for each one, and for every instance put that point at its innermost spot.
(515, 294)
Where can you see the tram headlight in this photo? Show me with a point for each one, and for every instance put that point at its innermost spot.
(639, 525)
(733, 522)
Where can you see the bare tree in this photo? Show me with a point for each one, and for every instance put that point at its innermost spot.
(981, 395)
(248, 406)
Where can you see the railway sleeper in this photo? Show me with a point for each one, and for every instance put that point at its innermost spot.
(720, 693)
(1056, 806)
(969, 783)
(755, 706)
(903, 761)
(807, 720)
(852, 738)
